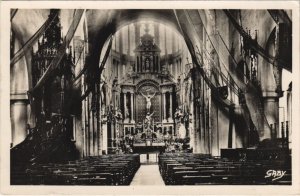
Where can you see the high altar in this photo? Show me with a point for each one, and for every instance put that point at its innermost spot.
(147, 97)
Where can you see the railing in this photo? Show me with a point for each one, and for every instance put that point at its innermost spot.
(283, 137)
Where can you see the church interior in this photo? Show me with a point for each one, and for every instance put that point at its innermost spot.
(115, 97)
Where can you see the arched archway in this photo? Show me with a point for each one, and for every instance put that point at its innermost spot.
(188, 24)
(98, 36)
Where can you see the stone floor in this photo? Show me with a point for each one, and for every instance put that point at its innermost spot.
(147, 175)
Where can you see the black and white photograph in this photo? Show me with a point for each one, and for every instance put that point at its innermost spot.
(139, 97)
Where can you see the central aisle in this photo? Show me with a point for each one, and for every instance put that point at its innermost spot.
(147, 175)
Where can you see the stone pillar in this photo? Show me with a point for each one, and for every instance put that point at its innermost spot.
(137, 64)
(270, 97)
(121, 42)
(112, 127)
(128, 42)
(83, 126)
(164, 107)
(91, 126)
(192, 127)
(125, 106)
(131, 106)
(173, 43)
(158, 64)
(152, 64)
(271, 108)
(134, 106)
(137, 34)
(31, 116)
(166, 49)
(86, 125)
(289, 108)
(104, 137)
(156, 34)
(18, 121)
(177, 43)
(170, 109)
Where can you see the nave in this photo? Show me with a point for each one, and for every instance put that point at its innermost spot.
(187, 97)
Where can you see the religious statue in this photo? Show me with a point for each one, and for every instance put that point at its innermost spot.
(179, 113)
(148, 124)
(127, 115)
(118, 114)
(147, 64)
(182, 131)
(148, 118)
(148, 100)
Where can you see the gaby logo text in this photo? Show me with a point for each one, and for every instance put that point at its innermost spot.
(275, 174)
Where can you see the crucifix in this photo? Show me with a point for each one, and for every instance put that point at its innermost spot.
(148, 98)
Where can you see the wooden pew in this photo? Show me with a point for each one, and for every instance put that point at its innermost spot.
(187, 168)
(99, 170)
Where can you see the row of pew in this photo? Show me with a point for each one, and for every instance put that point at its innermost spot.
(99, 170)
(202, 169)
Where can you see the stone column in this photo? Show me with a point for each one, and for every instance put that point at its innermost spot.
(271, 108)
(83, 128)
(125, 107)
(134, 106)
(170, 109)
(131, 106)
(152, 63)
(158, 64)
(156, 34)
(18, 121)
(137, 64)
(112, 127)
(269, 82)
(166, 49)
(173, 43)
(164, 107)
(104, 137)
(86, 125)
(91, 128)
(121, 42)
(289, 108)
(137, 34)
(128, 42)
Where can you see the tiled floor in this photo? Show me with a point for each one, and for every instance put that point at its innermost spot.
(147, 175)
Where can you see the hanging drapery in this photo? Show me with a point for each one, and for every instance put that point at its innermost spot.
(190, 46)
(280, 14)
(252, 43)
(101, 67)
(256, 114)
